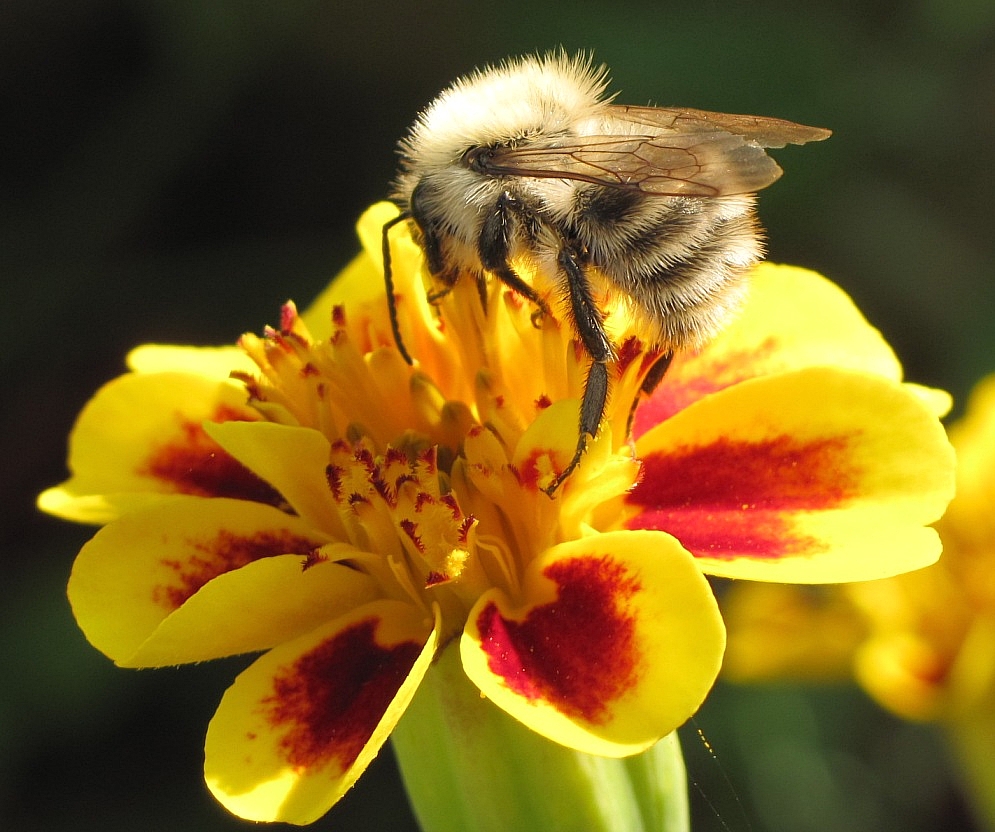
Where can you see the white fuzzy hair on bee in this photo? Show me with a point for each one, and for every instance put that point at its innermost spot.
(531, 162)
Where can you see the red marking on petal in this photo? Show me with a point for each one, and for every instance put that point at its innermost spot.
(283, 342)
(297, 342)
(629, 351)
(364, 456)
(466, 524)
(395, 456)
(513, 299)
(225, 552)
(410, 528)
(779, 472)
(332, 698)
(730, 534)
(242, 376)
(449, 500)
(543, 402)
(398, 484)
(334, 475)
(578, 652)
(733, 497)
(710, 375)
(430, 459)
(527, 472)
(434, 578)
(313, 558)
(288, 315)
(196, 464)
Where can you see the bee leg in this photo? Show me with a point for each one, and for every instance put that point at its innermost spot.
(651, 381)
(494, 243)
(388, 278)
(482, 290)
(656, 373)
(448, 281)
(591, 329)
(436, 296)
(428, 239)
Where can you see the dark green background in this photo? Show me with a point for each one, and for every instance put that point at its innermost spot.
(173, 171)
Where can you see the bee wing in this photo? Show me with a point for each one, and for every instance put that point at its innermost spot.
(703, 164)
(689, 153)
(764, 131)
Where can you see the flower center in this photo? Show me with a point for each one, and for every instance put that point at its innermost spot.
(437, 470)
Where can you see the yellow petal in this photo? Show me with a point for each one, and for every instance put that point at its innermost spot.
(814, 476)
(357, 283)
(940, 402)
(216, 363)
(360, 287)
(195, 579)
(792, 318)
(141, 438)
(614, 643)
(295, 730)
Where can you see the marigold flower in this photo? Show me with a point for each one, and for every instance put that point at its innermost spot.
(312, 496)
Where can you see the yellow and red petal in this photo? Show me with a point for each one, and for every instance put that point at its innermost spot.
(615, 641)
(292, 460)
(548, 445)
(193, 579)
(298, 727)
(793, 318)
(819, 475)
(141, 438)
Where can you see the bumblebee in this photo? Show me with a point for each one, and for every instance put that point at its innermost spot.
(531, 161)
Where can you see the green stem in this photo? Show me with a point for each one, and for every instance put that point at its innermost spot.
(469, 767)
(973, 740)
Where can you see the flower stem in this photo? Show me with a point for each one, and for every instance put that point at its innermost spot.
(470, 767)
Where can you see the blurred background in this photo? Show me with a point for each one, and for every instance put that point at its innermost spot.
(173, 170)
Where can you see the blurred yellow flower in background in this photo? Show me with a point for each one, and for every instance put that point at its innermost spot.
(922, 643)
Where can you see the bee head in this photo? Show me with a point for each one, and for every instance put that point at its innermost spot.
(526, 100)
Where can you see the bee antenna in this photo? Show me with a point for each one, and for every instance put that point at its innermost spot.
(388, 279)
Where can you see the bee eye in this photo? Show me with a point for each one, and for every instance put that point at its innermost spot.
(477, 158)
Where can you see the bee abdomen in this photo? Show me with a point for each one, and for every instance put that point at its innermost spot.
(683, 263)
